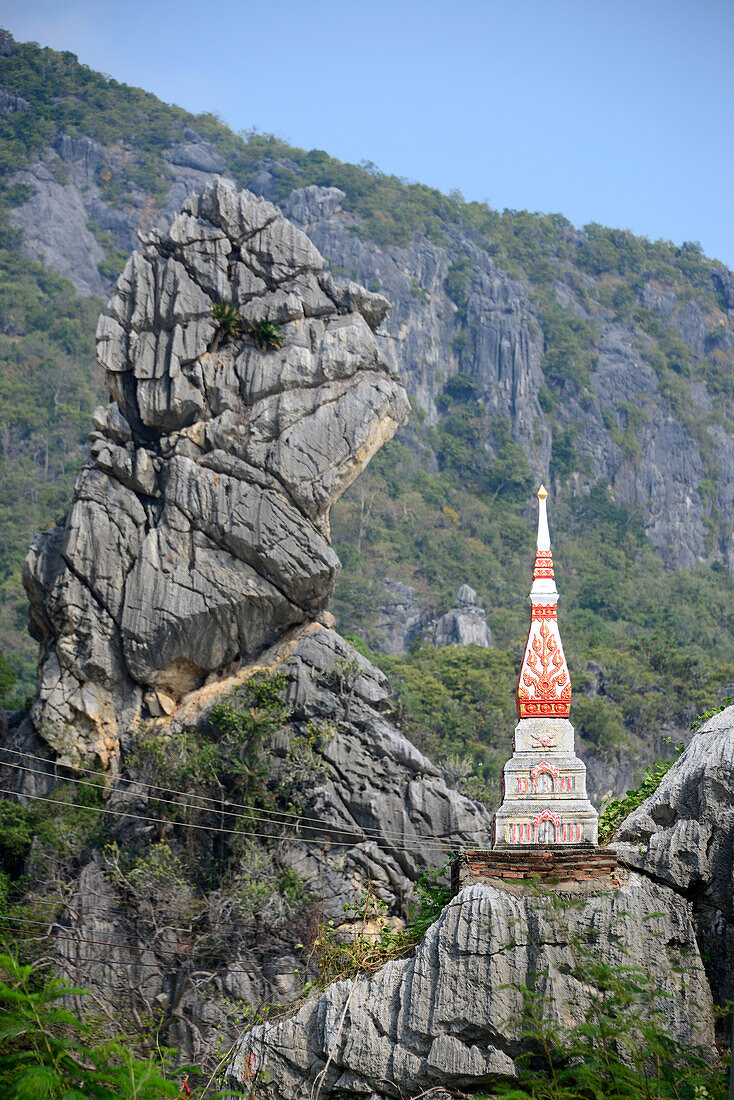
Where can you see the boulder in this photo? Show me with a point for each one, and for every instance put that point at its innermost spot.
(464, 624)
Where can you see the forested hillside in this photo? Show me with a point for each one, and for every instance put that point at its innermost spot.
(593, 358)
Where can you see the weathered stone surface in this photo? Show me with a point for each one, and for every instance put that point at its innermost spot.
(400, 618)
(492, 331)
(465, 624)
(374, 812)
(200, 531)
(449, 1017)
(683, 835)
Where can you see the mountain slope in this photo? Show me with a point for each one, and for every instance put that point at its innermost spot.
(594, 358)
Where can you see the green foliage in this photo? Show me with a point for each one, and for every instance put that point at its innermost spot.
(49, 385)
(458, 281)
(468, 521)
(46, 1052)
(230, 755)
(266, 334)
(16, 835)
(459, 389)
(564, 457)
(229, 319)
(61, 833)
(368, 938)
(617, 809)
(509, 475)
(114, 261)
(431, 895)
(569, 353)
(8, 680)
(600, 722)
(699, 720)
(662, 655)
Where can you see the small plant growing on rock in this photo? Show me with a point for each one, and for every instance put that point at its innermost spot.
(229, 320)
(616, 810)
(615, 1042)
(266, 334)
(368, 938)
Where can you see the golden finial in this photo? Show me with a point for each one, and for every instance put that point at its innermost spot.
(542, 492)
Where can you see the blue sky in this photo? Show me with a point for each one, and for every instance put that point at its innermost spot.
(618, 112)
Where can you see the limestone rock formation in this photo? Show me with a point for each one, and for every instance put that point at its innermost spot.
(399, 619)
(449, 1017)
(199, 532)
(683, 836)
(373, 810)
(464, 624)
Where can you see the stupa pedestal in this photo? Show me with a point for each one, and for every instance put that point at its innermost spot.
(544, 783)
(544, 789)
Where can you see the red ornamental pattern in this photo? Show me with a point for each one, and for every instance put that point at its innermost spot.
(543, 569)
(544, 686)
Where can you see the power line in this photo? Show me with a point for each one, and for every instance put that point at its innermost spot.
(215, 802)
(358, 834)
(296, 818)
(115, 943)
(329, 830)
(109, 961)
(133, 947)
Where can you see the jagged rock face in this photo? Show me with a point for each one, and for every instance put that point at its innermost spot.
(502, 350)
(402, 618)
(683, 835)
(375, 811)
(65, 197)
(399, 619)
(505, 351)
(450, 1016)
(200, 531)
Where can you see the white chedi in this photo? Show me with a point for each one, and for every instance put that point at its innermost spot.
(544, 782)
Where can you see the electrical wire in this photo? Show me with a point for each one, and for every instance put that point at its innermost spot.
(336, 832)
(275, 814)
(112, 962)
(133, 947)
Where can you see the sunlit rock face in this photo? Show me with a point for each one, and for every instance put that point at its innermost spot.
(451, 1016)
(199, 532)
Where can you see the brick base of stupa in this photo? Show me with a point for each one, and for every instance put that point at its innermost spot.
(565, 866)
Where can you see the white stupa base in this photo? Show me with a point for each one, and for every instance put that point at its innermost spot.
(545, 801)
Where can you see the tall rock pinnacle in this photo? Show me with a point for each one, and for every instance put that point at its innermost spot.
(199, 531)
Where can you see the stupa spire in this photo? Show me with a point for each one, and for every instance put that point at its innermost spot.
(544, 783)
(544, 683)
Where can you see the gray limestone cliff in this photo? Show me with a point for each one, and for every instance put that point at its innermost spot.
(464, 624)
(448, 1018)
(196, 556)
(683, 837)
(361, 808)
(671, 457)
(401, 620)
(199, 532)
